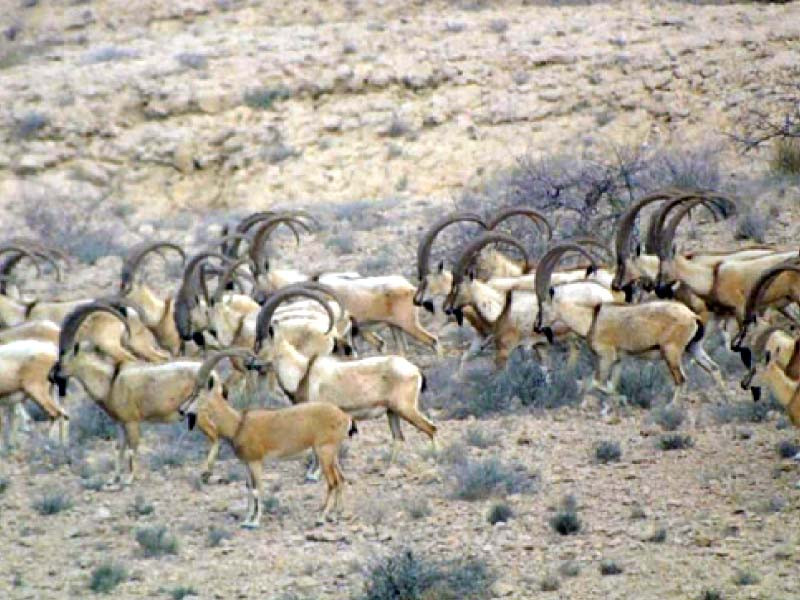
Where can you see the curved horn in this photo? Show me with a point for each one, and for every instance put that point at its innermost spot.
(228, 275)
(667, 233)
(268, 309)
(548, 262)
(135, 257)
(759, 289)
(73, 321)
(593, 242)
(225, 243)
(625, 228)
(658, 219)
(512, 211)
(256, 250)
(426, 242)
(18, 252)
(208, 365)
(185, 297)
(477, 244)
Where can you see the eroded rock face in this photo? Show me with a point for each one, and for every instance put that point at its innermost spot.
(300, 101)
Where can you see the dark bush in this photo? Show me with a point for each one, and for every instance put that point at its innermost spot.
(481, 479)
(156, 541)
(743, 578)
(669, 417)
(264, 98)
(675, 441)
(550, 583)
(607, 451)
(788, 449)
(751, 226)
(566, 520)
(106, 577)
(641, 382)
(499, 512)
(30, 124)
(786, 156)
(710, 594)
(216, 536)
(403, 576)
(52, 503)
(609, 567)
(88, 422)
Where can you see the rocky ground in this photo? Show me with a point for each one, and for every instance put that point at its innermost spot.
(123, 121)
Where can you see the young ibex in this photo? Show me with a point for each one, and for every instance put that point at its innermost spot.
(258, 433)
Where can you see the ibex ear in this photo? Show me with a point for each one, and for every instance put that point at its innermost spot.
(638, 249)
(271, 331)
(441, 266)
(211, 382)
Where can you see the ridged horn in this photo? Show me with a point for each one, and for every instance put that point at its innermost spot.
(229, 274)
(667, 233)
(268, 309)
(137, 254)
(73, 321)
(548, 262)
(512, 211)
(659, 217)
(476, 245)
(625, 227)
(264, 231)
(426, 242)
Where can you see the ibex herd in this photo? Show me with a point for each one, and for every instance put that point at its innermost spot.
(145, 356)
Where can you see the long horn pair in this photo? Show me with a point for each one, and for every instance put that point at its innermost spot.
(264, 318)
(136, 256)
(263, 233)
(75, 319)
(426, 242)
(535, 216)
(548, 263)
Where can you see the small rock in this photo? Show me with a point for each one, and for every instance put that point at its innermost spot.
(332, 123)
(102, 514)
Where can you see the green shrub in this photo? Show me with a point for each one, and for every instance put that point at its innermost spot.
(52, 503)
(745, 578)
(156, 541)
(669, 417)
(481, 479)
(607, 452)
(710, 594)
(265, 97)
(566, 520)
(403, 576)
(500, 512)
(106, 577)
(640, 382)
(675, 441)
(179, 593)
(550, 583)
(786, 156)
(5, 482)
(217, 535)
(418, 508)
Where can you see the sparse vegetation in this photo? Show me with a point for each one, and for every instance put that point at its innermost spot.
(786, 449)
(566, 520)
(4, 485)
(610, 567)
(710, 594)
(659, 536)
(752, 225)
(478, 437)
(669, 417)
(181, 592)
(264, 98)
(52, 503)
(106, 577)
(108, 54)
(192, 60)
(156, 541)
(745, 411)
(607, 452)
(341, 243)
(418, 508)
(168, 456)
(550, 583)
(142, 507)
(500, 512)
(675, 441)
(641, 382)
(481, 479)
(31, 123)
(217, 535)
(745, 577)
(403, 576)
(786, 156)
(569, 568)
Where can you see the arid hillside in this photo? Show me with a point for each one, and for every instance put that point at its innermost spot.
(129, 121)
